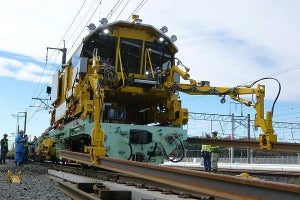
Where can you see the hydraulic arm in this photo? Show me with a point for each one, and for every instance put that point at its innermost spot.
(97, 148)
(267, 138)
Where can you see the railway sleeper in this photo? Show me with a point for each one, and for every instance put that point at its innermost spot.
(99, 189)
(103, 192)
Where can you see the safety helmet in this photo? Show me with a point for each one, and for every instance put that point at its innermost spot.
(214, 133)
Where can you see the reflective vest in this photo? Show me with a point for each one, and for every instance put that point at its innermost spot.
(206, 147)
(4, 142)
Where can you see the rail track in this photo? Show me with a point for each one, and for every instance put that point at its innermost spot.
(105, 185)
(139, 185)
(267, 175)
(193, 183)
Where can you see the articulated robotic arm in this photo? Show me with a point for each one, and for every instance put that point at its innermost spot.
(267, 138)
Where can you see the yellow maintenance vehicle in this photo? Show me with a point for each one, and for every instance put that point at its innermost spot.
(118, 96)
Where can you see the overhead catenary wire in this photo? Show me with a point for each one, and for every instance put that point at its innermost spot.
(122, 10)
(84, 27)
(66, 32)
(291, 68)
(80, 24)
(138, 8)
(76, 16)
(285, 70)
(288, 113)
(68, 29)
(36, 93)
(113, 10)
(288, 109)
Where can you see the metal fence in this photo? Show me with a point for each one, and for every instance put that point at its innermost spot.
(265, 160)
(191, 155)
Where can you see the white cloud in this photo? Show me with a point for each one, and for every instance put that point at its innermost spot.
(26, 71)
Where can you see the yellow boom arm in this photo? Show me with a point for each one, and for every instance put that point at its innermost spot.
(97, 149)
(193, 88)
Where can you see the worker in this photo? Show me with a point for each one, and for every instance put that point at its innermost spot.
(214, 152)
(19, 148)
(205, 153)
(32, 150)
(4, 148)
(26, 150)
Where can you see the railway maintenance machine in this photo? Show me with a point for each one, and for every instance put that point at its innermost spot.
(118, 96)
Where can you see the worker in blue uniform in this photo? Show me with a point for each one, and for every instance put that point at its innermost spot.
(19, 148)
(206, 153)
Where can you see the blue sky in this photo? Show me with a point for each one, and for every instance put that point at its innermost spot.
(225, 42)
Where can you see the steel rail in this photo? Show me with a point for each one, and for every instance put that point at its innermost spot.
(218, 185)
(244, 144)
(71, 191)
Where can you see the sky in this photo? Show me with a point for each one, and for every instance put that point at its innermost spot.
(226, 42)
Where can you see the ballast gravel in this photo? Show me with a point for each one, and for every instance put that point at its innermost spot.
(34, 186)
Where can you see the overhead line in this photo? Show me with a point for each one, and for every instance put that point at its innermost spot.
(294, 67)
(85, 24)
(286, 70)
(122, 10)
(115, 7)
(46, 63)
(140, 5)
(77, 14)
